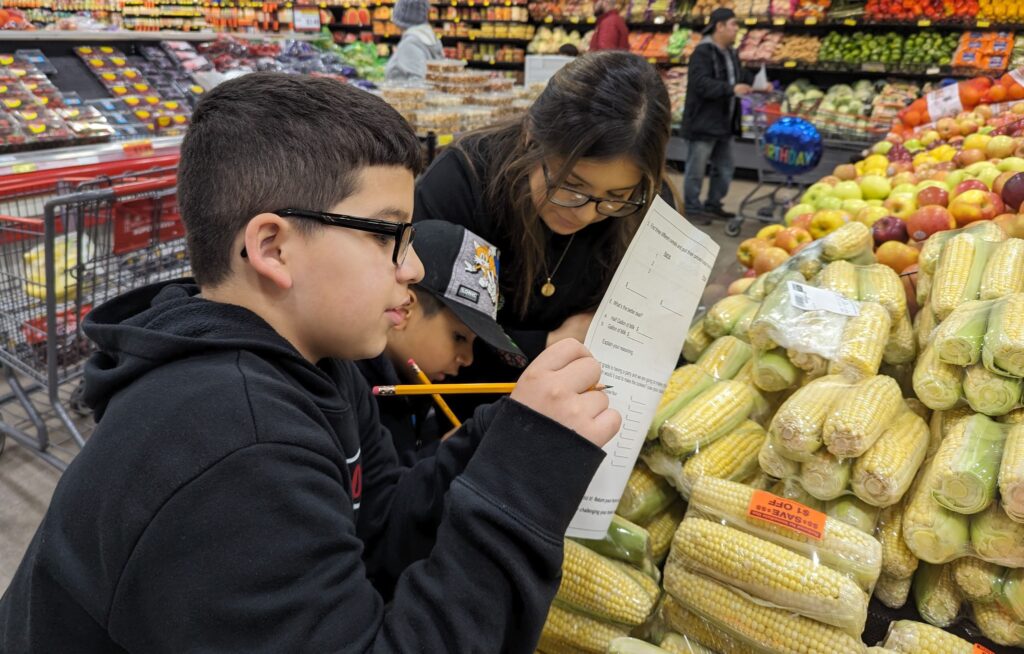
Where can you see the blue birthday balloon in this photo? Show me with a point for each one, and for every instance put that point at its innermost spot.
(792, 146)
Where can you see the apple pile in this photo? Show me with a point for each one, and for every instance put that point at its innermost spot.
(912, 10)
(772, 247)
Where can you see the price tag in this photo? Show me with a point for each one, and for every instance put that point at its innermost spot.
(444, 139)
(811, 21)
(849, 22)
(934, 70)
(778, 21)
(787, 513)
(983, 24)
(944, 102)
(591, 20)
(750, 21)
(574, 20)
(924, 23)
(306, 19)
(811, 298)
(981, 649)
(789, 64)
(872, 67)
(652, 60)
(707, 20)
(138, 148)
(18, 169)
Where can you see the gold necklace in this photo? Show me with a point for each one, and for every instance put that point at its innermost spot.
(548, 289)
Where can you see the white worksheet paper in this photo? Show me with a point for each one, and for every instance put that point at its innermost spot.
(637, 335)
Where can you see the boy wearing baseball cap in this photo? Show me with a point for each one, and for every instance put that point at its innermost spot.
(455, 303)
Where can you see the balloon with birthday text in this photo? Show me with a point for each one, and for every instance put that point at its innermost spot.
(792, 146)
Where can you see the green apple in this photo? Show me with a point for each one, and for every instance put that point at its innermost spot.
(815, 192)
(987, 129)
(848, 190)
(875, 187)
(928, 182)
(1016, 164)
(989, 175)
(874, 202)
(904, 189)
(882, 147)
(975, 168)
(954, 178)
(853, 205)
(798, 210)
(870, 215)
(828, 202)
(929, 137)
(913, 145)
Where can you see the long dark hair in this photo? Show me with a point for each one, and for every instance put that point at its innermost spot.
(600, 106)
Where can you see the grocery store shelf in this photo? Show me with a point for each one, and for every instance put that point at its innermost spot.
(484, 4)
(475, 22)
(496, 65)
(488, 39)
(572, 22)
(85, 155)
(125, 35)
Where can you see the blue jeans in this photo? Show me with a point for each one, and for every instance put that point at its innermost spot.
(698, 154)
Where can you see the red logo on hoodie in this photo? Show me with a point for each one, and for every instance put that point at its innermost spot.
(357, 482)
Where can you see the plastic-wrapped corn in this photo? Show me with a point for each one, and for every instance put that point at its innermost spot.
(959, 338)
(843, 548)
(918, 407)
(1004, 272)
(773, 314)
(798, 423)
(792, 490)
(989, 393)
(932, 532)
(774, 464)
(997, 539)
(674, 643)
(940, 424)
(862, 343)
(770, 572)
(824, 476)
(839, 277)
(998, 624)
(880, 283)
(893, 592)
(854, 512)
(568, 631)
(697, 340)
(931, 251)
(936, 595)
(697, 630)
(858, 420)
(773, 371)
(1013, 593)
(922, 292)
(883, 474)
(909, 637)
(901, 346)
(724, 314)
(848, 242)
(924, 327)
(1003, 350)
(725, 357)
(624, 541)
(661, 529)
(732, 457)
(629, 645)
(711, 415)
(939, 385)
(967, 466)
(811, 363)
(978, 580)
(1011, 473)
(664, 464)
(645, 495)
(898, 562)
(958, 275)
(605, 589)
(685, 384)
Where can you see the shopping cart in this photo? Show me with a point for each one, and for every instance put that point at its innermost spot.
(67, 246)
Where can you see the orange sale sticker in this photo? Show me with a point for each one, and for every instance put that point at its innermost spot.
(787, 513)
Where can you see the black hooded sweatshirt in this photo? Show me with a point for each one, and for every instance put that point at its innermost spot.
(236, 498)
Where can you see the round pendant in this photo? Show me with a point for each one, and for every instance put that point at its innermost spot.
(548, 289)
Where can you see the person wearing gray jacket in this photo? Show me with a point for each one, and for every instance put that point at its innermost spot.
(418, 44)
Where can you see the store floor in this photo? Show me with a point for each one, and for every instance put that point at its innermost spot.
(27, 483)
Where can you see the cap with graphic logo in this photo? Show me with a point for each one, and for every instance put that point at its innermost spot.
(461, 270)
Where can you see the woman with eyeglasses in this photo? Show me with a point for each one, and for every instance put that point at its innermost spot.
(560, 191)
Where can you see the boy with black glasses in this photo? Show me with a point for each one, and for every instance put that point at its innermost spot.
(239, 493)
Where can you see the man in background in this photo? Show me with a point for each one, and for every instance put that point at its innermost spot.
(611, 32)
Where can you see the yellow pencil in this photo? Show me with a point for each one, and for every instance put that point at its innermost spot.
(452, 389)
(441, 404)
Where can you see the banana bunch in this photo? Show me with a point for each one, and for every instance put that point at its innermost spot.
(66, 249)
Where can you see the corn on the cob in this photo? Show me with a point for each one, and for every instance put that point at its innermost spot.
(978, 580)
(839, 277)
(862, 343)
(566, 631)
(662, 528)
(773, 629)
(848, 242)
(928, 260)
(959, 338)
(604, 589)
(1012, 593)
(774, 464)
(933, 533)
(773, 371)
(759, 481)
(892, 592)
(922, 288)
(629, 645)
(667, 466)
(958, 275)
(775, 306)
(918, 407)
(741, 329)
(792, 490)
(1011, 473)
(685, 384)
(898, 561)
(711, 415)
(697, 340)
(880, 283)
(1004, 273)
(732, 457)
(968, 465)
(843, 547)
(853, 512)
(624, 541)
(674, 643)
(937, 384)
(722, 316)
(1015, 417)
(936, 595)
(885, 472)
(858, 421)
(645, 495)
(725, 357)
(997, 539)
(770, 572)
(824, 476)
(989, 393)
(998, 624)
(1003, 350)
(924, 327)
(909, 637)
(901, 346)
(941, 423)
(809, 265)
(798, 423)
(695, 628)
(759, 289)
(809, 362)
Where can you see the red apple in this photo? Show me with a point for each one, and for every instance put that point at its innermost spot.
(803, 221)
(769, 259)
(748, 248)
(933, 195)
(845, 171)
(898, 256)
(974, 205)
(1012, 192)
(889, 228)
(970, 156)
(791, 238)
(968, 185)
(947, 128)
(927, 220)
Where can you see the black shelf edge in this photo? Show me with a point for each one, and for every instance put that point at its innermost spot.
(497, 65)
(487, 39)
(477, 22)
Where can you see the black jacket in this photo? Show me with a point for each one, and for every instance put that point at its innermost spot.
(411, 420)
(236, 498)
(712, 109)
